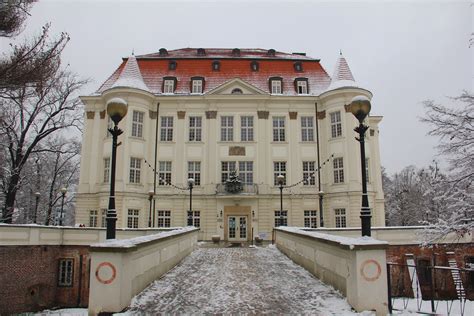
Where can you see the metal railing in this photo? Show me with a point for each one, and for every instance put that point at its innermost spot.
(425, 289)
(246, 189)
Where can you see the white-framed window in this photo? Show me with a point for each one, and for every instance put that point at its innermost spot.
(309, 173)
(226, 168)
(66, 272)
(307, 129)
(276, 87)
(367, 168)
(168, 86)
(164, 173)
(110, 124)
(135, 169)
(311, 219)
(194, 218)
(336, 124)
(227, 128)
(137, 124)
(281, 218)
(338, 168)
(93, 218)
(166, 132)
(302, 87)
(246, 128)
(279, 167)
(164, 219)
(197, 86)
(340, 217)
(246, 172)
(278, 128)
(106, 170)
(132, 218)
(194, 171)
(195, 128)
(103, 217)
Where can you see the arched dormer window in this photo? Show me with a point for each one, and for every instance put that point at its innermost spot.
(254, 66)
(216, 65)
(271, 52)
(201, 52)
(298, 66)
(236, 52)
(237, 91)
(163, 52)
(172, 65)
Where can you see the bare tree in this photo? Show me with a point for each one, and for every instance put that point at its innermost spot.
(12, 15)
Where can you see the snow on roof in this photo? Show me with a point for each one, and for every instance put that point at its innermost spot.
(130, 76)
(342, 76)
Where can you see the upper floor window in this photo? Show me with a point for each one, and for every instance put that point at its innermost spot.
(338, 169)
(164, 218)
(227, 128)
(279, 167)
(103, 218)
(132, 218)
(216, 65)
(237, 91)
(307, 129)
(281, 218)
(236, 52)
(195, 128)
(246, 128)
(340, 217)
(106, 169)
(201, 52)
(336, 124)
(226, 168)
(93, 218)
(197, 85)
(279, 129)
(164, 173)
(137, 124)
(298, 66)
(308, 173)
(194, 171)
(172, 65)
(66, 269)
(271, 52)
(110, 125)
(168, 86)
(254, 66)
(302, 86)
(135, 170)
(166, 133)
(246, 171)
(276, 86)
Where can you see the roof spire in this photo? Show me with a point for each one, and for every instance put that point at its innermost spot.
(133, 51)
(131, 77)
(340, 52)
(342, 76)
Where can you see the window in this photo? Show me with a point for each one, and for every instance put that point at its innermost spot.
(110, 124)
(166, 133)
(137, 124)
(279, 129)
(135, 169)
(106, 169)
(172, 65)
(338, 167)
(469, 264)
(194, 171)
(281, 218)
(423, 271)
(65, 273)
(168, 86)
(132, 219)
(195, 128)
(194, 218)
(104, 217)
(227, 128)
(226, 168)
(308, 173)
(237, 91)
(254, 66)
(216, 65)
(336, 124)
(340, 216)
(367, 170)
(164, 218)
(276, 85)
(164, 173)
(201, 52)
(298, 66)
(93, 218)
(246, 171)
(246, 128)
(279, 167)
(196, 86)
(307, 130)
(302, 87)
(311, 219)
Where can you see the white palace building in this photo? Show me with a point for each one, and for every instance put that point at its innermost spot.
(208, 113)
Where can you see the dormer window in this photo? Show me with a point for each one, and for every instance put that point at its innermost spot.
(163, 52)
(298, 66)
(237, 91)
(197, 85)
(271, 52)
(276, 85)
(216, 65)
(254, 66)
(301, 85)
(169, 84)
(172, 65)
(201, 52)
(236, 52)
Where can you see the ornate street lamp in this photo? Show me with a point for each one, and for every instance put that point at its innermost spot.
(37, 197)
(360, 107)
(321, 218)
(63, 195)
(190, 213)
(116, 109)
(280, 180)
(151, 193)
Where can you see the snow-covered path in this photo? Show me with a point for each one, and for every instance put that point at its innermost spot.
(239, 280)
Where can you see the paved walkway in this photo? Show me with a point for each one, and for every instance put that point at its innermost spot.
(239, 280)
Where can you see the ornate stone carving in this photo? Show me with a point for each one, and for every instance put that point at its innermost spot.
(237, 151)
(211, 114)
(181, 115)
(293, 115)
(263, 114)
(347, 107)
(152, 115)
(102, 114)
(90, 115)
(321, 115)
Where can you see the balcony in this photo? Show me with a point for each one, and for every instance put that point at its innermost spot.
(247, 189)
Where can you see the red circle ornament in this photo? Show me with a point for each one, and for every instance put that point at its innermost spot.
(369, 275)
(105, 265)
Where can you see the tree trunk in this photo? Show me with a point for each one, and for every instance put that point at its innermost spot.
(10, 197)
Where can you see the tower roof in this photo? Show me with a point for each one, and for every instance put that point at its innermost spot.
(342, 76)
(131, 77)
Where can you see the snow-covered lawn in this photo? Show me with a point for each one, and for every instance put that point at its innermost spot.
(239, 280)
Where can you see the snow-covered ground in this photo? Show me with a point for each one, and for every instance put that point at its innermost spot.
(441, 307)
(239, 280)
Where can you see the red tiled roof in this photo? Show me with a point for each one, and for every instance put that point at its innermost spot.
(154, 68)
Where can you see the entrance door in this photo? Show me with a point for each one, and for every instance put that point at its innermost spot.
(237, 226)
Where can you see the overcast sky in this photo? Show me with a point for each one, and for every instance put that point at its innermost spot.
(404, 51)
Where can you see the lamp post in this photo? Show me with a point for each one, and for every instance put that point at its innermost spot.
(116, 109)
(150, 198)
(280, 180)
(63, 195)
(360, 107)
(190, 214)
(37, 197)
(321, 218)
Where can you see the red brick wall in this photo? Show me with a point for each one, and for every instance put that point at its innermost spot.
(29, 278)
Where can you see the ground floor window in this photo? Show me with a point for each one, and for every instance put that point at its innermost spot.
(340, 216)
(281, 218)
(164, 218)
(132, 219)
(194, 218)
(93, 218)
(104, 217)
(311, 219)
(65, 275)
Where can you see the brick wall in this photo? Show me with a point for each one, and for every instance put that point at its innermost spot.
(29, 278)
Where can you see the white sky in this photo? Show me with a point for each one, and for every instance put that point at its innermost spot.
(403, 51)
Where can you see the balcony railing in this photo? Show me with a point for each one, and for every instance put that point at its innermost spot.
(246, 189)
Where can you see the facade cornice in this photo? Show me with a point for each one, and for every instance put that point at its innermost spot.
(345, 90)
